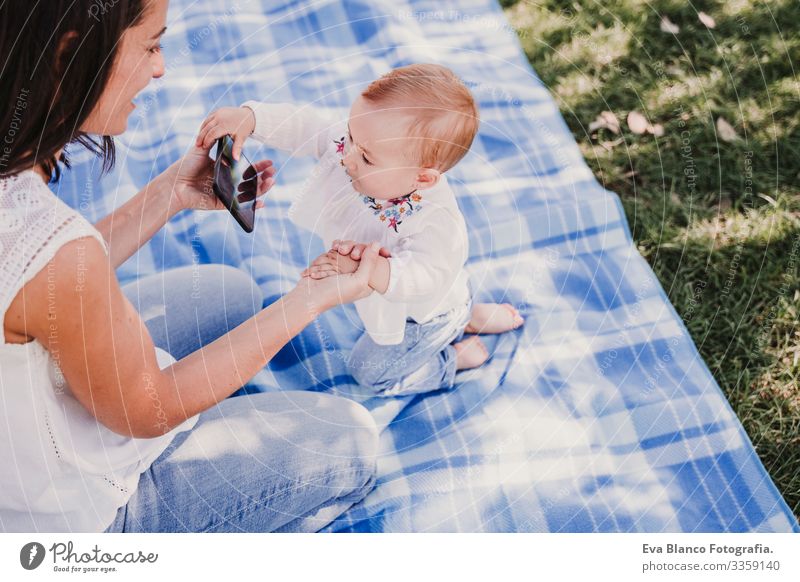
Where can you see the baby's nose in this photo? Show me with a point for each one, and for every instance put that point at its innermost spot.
(349, 159)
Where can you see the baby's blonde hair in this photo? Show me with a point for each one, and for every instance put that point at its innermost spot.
(446, 117)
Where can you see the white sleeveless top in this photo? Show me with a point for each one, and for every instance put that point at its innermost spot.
(60, 469)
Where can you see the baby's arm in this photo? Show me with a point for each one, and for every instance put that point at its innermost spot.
(421, 264)
(301, 130)
(238, 122)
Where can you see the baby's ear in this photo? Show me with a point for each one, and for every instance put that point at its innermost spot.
(427, 178)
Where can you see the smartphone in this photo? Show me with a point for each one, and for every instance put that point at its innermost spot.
(236, 188)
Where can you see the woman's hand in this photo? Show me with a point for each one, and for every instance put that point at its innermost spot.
(331, 263)
(190, 180)
(341, 259)
(336, 289)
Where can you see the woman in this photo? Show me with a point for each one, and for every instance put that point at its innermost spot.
(97, 436)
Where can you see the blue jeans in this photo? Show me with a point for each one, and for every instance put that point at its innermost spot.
(424, 361)
(286, 461)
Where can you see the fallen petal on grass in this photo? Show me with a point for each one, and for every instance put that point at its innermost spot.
(707, 20)
(726, 131)
(668, 26)
(606, 120)
(637, 122)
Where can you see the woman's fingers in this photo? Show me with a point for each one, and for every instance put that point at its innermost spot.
(317, 269)
(321, 274)
(265, 185)
(257, 179)
(322, 261)
(264, 166)
(266, 172)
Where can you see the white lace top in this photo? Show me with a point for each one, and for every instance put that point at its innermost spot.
(425, 231)
(61, 469)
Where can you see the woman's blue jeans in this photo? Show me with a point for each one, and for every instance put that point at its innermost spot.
(283, 461)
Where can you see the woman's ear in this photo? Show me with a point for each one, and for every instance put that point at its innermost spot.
(427, 178)
(64, 51)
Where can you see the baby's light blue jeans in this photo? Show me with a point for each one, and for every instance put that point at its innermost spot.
(284, 461)
(424, 361)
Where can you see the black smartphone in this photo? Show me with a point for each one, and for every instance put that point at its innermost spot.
(236, 188)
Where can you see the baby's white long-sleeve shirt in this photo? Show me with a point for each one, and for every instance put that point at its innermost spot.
(425, 232)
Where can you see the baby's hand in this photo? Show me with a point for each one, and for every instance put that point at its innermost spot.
(330, 263)
(355, 250)
(238, 122)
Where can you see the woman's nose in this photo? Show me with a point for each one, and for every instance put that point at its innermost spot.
(158, 67)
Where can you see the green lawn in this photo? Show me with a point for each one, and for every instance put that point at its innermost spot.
(716, 214)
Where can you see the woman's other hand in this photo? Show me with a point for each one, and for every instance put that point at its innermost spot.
(343, 258)
(329, 264)
(190, 180)
(336, 289)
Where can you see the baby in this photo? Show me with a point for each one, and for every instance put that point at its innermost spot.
(381, 177)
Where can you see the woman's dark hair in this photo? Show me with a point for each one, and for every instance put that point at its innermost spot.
(56, 58)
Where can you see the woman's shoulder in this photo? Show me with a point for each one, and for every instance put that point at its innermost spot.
(34, 225)
(28, 207)
(25, 196)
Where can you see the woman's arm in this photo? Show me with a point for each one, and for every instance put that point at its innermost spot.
(186, 184)
(134, 223)
(76, 309)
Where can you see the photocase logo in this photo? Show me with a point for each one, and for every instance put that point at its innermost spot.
(31, 555)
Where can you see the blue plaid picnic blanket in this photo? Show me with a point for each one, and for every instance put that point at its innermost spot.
(597, 415)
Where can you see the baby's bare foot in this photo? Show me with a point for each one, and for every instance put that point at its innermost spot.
(493, 318)
(470, 353)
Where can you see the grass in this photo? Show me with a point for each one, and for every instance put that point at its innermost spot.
(717, 216)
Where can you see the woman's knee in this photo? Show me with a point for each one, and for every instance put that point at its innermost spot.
(361, 447)
(189, 307)
(275, 456)
(344, 427)
(241, 296)
(365, 432)
(324, 426)
(329, 443)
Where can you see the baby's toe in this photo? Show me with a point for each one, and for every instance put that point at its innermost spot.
(515, 316)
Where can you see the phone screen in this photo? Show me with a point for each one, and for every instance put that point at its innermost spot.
(236, 187)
